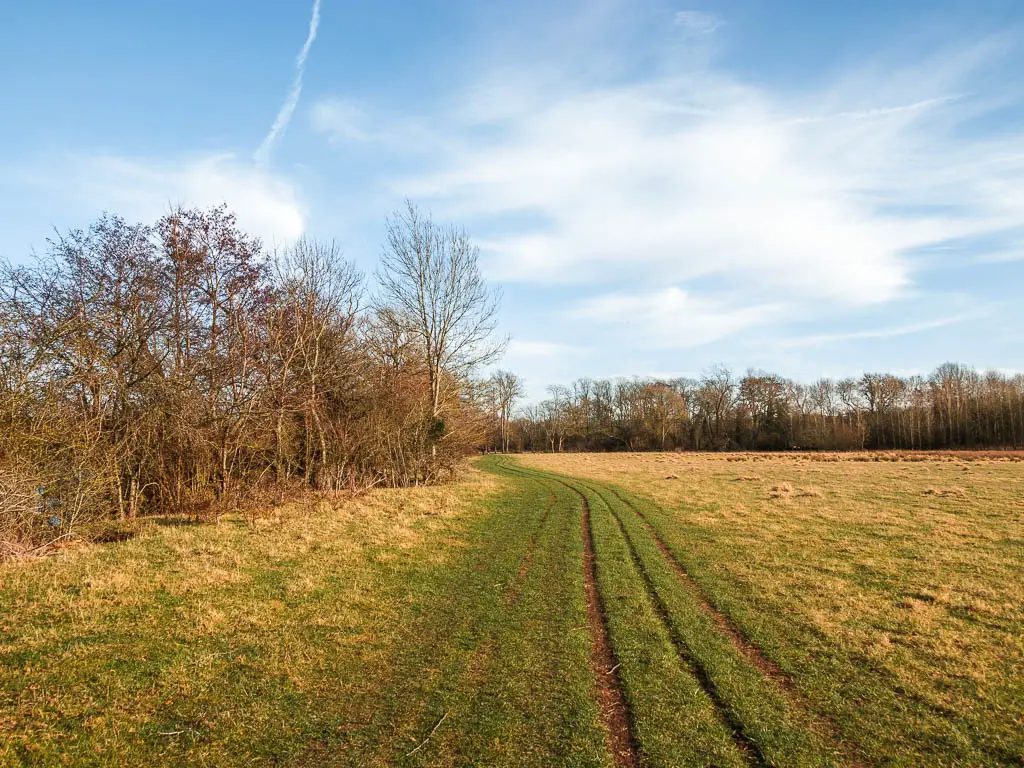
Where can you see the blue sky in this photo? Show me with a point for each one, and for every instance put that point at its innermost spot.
(810, 188)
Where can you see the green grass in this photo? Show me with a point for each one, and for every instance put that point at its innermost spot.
(449, 626)
(330, 638)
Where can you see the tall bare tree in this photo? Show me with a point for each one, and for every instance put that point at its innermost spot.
(507, 389)
(430, 279)
(313, 323)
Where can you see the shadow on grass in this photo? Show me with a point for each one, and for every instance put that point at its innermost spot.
(178, 522)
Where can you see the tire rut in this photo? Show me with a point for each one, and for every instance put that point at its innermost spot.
(725, 625)
(746, 746)
(515, 588)
(819, 722)
(616, 717)
(615, 713)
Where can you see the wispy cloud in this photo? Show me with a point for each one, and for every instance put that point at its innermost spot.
(878, 112)
(700, 22)
(876, 333)
(284, 115)
(674, 179)
(671, 318)
(684, 203)
(699, 175)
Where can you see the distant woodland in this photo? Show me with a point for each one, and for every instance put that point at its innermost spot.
(954, 408)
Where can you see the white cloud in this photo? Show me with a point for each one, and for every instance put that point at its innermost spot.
(821, 199)
(267, 205)
(671, 318)
(636, 182)
(877, 333)
(692, 204)
(700, 22)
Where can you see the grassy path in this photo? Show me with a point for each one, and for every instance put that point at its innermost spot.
(698, 693)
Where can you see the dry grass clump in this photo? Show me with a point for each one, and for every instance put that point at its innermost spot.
(780, 491)
(748, 478)
(954, 492)
(810, 493)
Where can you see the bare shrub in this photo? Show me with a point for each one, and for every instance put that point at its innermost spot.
(21, 509)
(182, 369)
(41, 509)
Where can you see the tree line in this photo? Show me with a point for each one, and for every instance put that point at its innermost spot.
(181, 366)
(955, 407)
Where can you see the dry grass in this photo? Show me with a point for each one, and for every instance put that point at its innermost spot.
(191, 629)
(891, 585)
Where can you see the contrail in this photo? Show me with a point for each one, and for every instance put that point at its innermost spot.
(284, 115)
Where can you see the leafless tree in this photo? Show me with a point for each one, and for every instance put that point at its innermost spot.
(180, 367)
(430, 280)
(956, 407)
(314, 321)
(508, 389)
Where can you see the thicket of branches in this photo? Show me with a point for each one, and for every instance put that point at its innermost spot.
(954, 408)
(180, 367)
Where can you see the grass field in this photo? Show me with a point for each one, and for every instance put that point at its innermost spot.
(576, 610)
(888, 594)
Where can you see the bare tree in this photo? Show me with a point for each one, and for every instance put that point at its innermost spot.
(430, 279)
(507, 389)
(313, 323)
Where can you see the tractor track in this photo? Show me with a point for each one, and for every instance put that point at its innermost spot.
(746, 746)
(615, 712)
(725, 625)
(616, 717)
(819, 722)
(514, 589)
